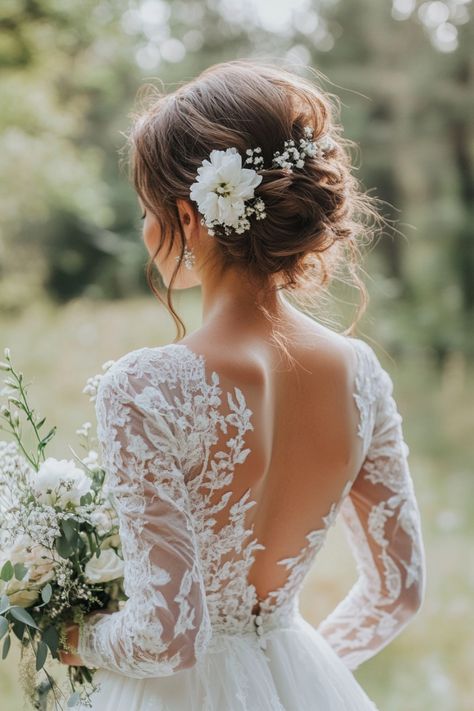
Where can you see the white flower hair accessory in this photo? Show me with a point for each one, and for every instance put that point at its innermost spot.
(225, 191)
(295, 157)
(221, 190)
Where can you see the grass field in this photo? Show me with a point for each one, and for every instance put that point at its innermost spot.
(429, 667)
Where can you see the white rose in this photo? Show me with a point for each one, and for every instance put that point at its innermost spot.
(18, 593)
(108, 566)
(38, 560)
(39, 563)
(59, 482)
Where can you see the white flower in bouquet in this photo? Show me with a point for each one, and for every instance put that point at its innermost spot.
(40, 569)
(60, 551)
(38, 560)
(103, 518)
(14, 473)
(59, 482)
(108, 566)
(18, 593)
(84, 429)
(91, 461)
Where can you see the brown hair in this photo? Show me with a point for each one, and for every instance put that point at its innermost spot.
(317, 217)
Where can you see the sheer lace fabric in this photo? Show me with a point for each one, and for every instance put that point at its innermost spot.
(160, 416)
(382, 522)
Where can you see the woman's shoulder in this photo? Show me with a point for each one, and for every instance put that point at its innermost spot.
(375, 385)
(149, 365)
(368, 359)
(136, 361)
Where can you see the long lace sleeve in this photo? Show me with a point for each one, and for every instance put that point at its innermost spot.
(383, 528)
(164, 625)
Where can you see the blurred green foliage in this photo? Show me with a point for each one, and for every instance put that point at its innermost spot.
(70, 74)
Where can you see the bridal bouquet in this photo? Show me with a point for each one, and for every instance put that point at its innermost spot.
(60, 554)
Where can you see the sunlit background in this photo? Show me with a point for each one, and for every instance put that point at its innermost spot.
(72, 287)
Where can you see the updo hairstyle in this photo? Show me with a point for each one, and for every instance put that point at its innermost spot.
(317, 216)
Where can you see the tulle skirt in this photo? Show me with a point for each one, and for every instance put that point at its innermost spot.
(298, 671)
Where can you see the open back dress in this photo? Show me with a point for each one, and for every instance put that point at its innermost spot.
(201, 630)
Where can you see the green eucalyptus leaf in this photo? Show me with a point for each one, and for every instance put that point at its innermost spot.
(51, 637)
(19, 629)
(6, 647)
(4, 604)
(20, 570)
(46, 593)
(41, 654)
(6, 573)
(69, 528)
(4, 626)
(63, 547)
(19, 613)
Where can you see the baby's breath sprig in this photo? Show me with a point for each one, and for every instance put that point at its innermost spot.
(295, 157)
(92, 385)
(252, 159)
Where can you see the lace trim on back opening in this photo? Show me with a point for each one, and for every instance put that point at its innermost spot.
(232, 598)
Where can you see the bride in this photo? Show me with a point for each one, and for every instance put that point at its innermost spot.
(231, 452)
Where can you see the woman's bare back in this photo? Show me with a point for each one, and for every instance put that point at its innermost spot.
(304, 446)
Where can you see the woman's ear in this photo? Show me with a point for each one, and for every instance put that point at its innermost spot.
(189, 218)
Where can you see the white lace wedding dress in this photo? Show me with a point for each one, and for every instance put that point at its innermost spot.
(193, 635)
